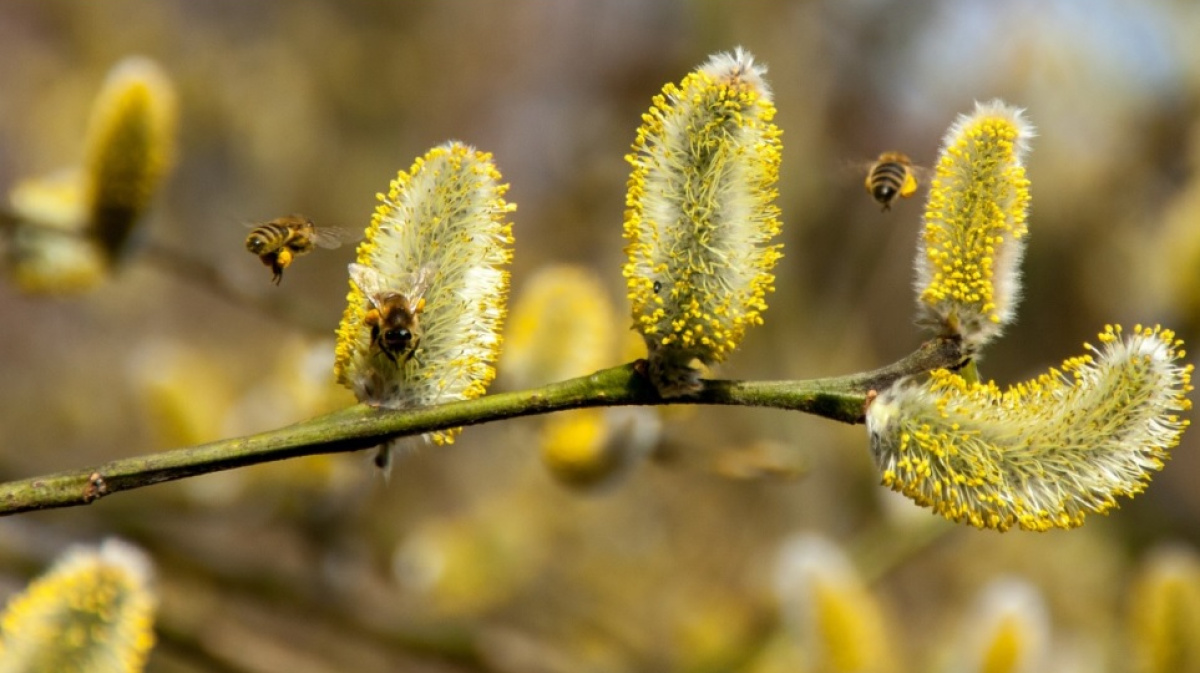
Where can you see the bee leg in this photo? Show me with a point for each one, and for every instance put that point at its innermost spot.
(412, 353)
(271, 261)
(301, 247)
(284, 259)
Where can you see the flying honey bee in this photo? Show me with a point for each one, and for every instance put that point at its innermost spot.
(394, 315)
(892, 175)
(283, 239)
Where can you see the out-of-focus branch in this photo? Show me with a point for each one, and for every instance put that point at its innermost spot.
(358, 427)
(201, 274)
(196, 272)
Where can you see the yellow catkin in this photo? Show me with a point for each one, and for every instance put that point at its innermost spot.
(50, 251)
(839, 626)
(1164, 613)
(73, 225)
(573, 447)
(700, 217)
(1044, 453)
(93, 611)
(1007, 631)
(130, 146)
(589, 449)
(447, 216)
(969, 257)
(562, 325)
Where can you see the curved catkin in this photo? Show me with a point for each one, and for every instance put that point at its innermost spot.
(447, 218)
(969, 256)
(1044, 453)
(700, 217)
(130, 146)
(93, 611)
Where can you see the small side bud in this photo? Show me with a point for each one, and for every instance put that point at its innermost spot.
(93, 611)
(427, 295)
(130, 147)
(969, 257)
(700, 217)
(1044, 453)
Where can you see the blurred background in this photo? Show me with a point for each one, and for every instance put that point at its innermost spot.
(487, 555)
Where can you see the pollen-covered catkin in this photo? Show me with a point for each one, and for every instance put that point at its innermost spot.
(93, 611)
(130, 146)
(443, 226)
(969, 256)
(1044, 453)
(73, 226)
(701, 216)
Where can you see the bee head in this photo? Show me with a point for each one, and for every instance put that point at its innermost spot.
(256, 244)
(397, 339)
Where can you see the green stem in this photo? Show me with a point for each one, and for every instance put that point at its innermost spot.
(358, 427)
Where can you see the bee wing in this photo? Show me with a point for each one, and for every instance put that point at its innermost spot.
(331, 237)
(923, 174)
(419, 283)
(855, 167)
(370, 281)
(285, 221)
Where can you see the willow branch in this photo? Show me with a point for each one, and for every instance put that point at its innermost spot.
(360, 426)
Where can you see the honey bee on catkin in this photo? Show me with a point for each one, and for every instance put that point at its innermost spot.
(394, 315)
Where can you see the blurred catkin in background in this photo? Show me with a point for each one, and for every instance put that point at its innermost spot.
(309, 107)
